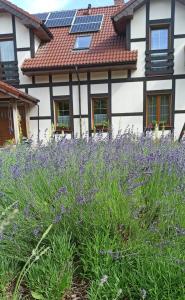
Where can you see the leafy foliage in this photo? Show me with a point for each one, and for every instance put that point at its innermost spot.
(118, 214)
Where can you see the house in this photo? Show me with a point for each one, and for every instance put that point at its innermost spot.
(94, 69)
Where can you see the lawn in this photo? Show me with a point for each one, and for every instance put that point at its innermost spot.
(98, 219)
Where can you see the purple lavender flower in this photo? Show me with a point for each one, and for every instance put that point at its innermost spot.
(16, 172)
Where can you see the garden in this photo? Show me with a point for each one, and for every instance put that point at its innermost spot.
(95, 219)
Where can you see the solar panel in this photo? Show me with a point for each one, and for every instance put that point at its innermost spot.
(62, 14)
(91, 27)
(59, 22)
(88, 19)
(42, 16)
(87, 24)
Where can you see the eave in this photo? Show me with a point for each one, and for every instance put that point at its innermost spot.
(81, 68)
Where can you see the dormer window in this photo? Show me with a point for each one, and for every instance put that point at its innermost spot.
(83, 42)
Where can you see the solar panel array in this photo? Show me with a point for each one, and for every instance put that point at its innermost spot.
(61, 18)
(90, 23)
(79, 24)
(57, 18)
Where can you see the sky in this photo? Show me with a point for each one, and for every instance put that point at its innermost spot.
(34, 6)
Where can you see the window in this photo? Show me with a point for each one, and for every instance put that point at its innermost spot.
(7, 51)
(100, 113)
(62, 115)
(159, 38)
(159, 110)
(83, 42)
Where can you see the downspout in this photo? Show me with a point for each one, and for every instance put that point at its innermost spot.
(38, 124)
(80, 99)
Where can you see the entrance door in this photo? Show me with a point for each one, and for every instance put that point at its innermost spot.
(6, 125)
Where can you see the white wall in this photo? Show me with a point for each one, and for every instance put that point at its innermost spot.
(179, 122)
(84, 100)
(179, 18)
(179, 60)
(160, 9)
(22, 35)
(158, 85)
(141, 48)
(127, 97)
(6, 25)
(21, 56)
(61, 91)
(180, 95)
(124, 123)
(43, 95)
(138, 23)
(99, 88)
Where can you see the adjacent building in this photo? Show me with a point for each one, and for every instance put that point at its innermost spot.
(91, 70)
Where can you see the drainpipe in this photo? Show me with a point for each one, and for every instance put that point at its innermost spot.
(80, 99)
(38, 124)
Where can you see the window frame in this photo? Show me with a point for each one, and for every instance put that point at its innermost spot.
(8, 38)
(158, 95)
(82, 48)
(57, 101)
(100, 128)
(158, 27)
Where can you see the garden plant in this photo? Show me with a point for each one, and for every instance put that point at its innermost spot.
(96, 219)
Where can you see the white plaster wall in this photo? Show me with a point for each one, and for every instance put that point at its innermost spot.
(119, 74)
(179, 18)
(60, 78)
(159, 85)
(179, 60)
(42, 79)
(127, 97)
(84, 100)
(180, 95)
(42, 94)
(179, 123)
(6, 23)
(22, 35)
(61, 91)
(22, 55)
(37, 43)
(120, 124)
(76, 128)
(138, 23)
(160, 9)
(99, 75)
(99, 88)
(82, 76)
(85, 127)
(141, 48)
(34, 130)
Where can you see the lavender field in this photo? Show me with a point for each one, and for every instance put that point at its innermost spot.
(93, 220)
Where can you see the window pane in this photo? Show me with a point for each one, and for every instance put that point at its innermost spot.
(152, 110)
(63, 114)
(100, 112)
(83, 42)
(165, 110)
(159, 39)
(7, 51)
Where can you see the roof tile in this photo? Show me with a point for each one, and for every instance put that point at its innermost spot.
(107, 47)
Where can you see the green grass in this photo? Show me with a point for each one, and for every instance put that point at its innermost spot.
(118, 220)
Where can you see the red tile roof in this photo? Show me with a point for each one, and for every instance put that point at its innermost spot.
(106, 48)
(15, 93)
